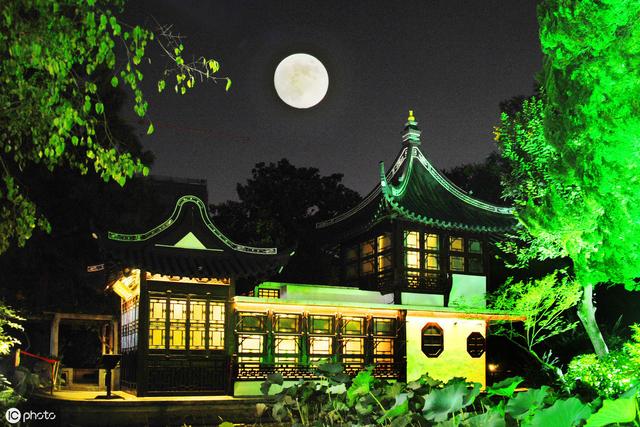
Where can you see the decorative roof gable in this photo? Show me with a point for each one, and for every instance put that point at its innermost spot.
(189, 244)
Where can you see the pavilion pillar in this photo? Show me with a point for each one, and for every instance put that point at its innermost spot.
(55, 331)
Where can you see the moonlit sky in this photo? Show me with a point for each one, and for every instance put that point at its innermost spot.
(452, 61)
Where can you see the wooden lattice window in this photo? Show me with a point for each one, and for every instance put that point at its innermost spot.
(432, 340)
(268, 293)
(476, 344)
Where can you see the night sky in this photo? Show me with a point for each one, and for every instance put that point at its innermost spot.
(450, 61)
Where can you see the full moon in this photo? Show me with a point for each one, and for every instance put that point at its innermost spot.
(301, 80)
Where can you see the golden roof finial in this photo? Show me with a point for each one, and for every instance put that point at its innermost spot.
(411, 118)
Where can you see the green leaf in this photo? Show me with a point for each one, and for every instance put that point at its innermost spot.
(361, 385)
(327, 369)
(275, 378)
(228, 86)
(226, 424)
(150, 129)
(492, 418)
(161, 85)
(396, 411)
(563, 413)
(614, 412)
(265, 386)
(279, 411)
(99, 107)
(213, 65)
(441, 402)
(504, 388)
(523, 404)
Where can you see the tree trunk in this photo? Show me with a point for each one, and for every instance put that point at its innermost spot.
(587, 315)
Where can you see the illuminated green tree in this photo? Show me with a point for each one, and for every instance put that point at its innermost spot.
(54, 56)
(544, 302)
(576, 155)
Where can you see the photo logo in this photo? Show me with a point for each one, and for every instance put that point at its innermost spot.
(13, 415)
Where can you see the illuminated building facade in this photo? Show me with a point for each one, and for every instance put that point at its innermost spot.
(414, 262)
(176, 289)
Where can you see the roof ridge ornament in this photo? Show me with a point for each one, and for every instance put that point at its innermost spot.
(411, 132)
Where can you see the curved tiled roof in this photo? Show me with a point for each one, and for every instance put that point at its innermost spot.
(189, 244)
(416, 191)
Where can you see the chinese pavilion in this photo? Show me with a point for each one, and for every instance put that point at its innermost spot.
(176, 287)
(414, 272)
(417, 231)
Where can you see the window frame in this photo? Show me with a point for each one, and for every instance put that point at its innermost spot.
(437, 340)
(476, 344)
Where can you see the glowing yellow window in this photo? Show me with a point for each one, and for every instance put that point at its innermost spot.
(321, 345)
(157, 309)
(197, 337)
(286, 345)
(250, 344)
(197, 324)
(216, 325)
(431, 262)
(431, 242)
(177, 324)
(412, 239)
(156, 336)
(268, 293)
(456, 244)
(384, 242)
(177, 337)
(412, 259)
(383, 346)
(157, 322)
(384, 262)
(353, 346)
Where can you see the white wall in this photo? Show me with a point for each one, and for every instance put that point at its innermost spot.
(454, 361)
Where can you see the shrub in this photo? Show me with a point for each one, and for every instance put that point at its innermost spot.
(609, 376)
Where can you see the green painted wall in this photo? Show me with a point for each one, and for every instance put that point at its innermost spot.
(468, 291)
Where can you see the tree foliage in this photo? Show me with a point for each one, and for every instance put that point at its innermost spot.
(482, 180)
(574, 151)
(281, 202)
(527, 179)
(55, 58)
(279, 206)
(543, 301)
(591, 77)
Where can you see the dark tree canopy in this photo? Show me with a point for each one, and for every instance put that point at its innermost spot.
(279, 206)
(482, 180)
